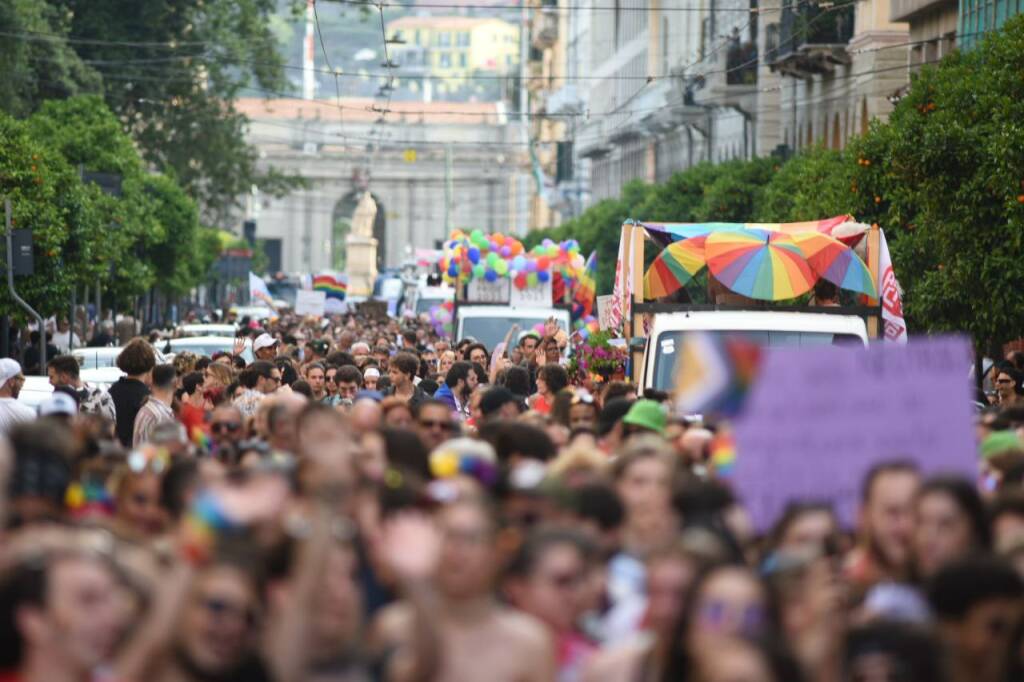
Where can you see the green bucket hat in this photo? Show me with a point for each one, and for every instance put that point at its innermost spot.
(647, 414)
(1000, 442)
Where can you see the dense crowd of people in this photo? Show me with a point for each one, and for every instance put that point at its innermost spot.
(362, 499)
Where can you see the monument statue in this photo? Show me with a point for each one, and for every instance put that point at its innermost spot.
(361, 248)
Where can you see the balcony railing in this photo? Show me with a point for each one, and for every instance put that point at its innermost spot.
(741, 64)
(810, 39)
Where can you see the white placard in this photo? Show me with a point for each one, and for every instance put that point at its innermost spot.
(534, 297)
(604, 311)
(482, 291)
(310, 303)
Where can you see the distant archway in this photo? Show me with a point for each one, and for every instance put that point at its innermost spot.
(341, 225)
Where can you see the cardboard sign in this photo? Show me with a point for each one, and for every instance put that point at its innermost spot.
(482, 291)
(310, 303)
(817, 419)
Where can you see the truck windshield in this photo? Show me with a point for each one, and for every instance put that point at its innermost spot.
(667, 344)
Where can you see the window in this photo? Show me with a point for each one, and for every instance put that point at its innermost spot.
(444, 39)
(444, 60)
(462, 59)
(462, 39)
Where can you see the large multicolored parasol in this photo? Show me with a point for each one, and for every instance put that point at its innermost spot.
(833, 260)
(674, 267)
(759, 264)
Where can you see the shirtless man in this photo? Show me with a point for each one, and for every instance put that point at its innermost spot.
(452, 627)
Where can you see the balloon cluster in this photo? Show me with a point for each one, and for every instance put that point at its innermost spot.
(440, 317)
(491, 257)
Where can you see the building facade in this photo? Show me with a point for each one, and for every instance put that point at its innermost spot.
(469, 152)
(660, 88)
(460, 46)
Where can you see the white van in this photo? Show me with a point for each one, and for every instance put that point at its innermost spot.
(764, 327)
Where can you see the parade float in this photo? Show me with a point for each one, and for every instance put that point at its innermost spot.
(753, 278)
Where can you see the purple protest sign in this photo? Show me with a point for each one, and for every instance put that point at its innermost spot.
(818, 418)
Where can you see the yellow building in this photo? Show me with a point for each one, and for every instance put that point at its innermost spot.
(458, 46)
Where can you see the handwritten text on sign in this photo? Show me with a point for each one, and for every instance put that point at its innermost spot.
(818, 419)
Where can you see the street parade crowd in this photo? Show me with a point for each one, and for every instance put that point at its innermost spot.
(364, 499)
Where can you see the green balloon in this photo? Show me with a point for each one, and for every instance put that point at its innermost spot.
(501, 267)
(531, 279)
(478, 271)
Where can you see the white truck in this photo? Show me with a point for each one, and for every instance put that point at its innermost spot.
(764, 327)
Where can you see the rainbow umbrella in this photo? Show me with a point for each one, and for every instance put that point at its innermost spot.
(759, 264)
(835, 261)
(675, 266)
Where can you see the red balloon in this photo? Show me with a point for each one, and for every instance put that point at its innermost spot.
(520, 281)
(543, 263)
(467, 266)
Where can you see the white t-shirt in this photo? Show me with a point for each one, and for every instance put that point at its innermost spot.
(63, 340)
(12, 412)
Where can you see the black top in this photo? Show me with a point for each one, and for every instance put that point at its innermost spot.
(128, 395)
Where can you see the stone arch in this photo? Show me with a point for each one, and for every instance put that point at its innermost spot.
(341, 224)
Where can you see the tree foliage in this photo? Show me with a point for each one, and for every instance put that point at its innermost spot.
(169, 69)
(151, 233)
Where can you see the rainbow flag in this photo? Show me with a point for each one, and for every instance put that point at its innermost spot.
(586, 288)
(723, 454)
(714, 372)
(334, 286)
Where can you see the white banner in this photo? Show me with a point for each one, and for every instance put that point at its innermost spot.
(894, 326)
(533, 297)
(498, 291)
(622, 294)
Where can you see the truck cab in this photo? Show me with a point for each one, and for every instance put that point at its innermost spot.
(763, 327)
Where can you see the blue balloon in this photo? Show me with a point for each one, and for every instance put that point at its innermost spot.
(543, 275)
(518, 263)
(453, 269)
(491, 275)
(474, 255)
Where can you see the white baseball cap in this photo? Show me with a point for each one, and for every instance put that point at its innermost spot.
(8, 370)
(263, 341)
(371, 372)
(58, 403)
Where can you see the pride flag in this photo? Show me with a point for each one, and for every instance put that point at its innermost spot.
(714, 372)
(258, 290)
(334, 286)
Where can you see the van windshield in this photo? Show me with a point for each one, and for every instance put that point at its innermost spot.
(491, 331)
(423, 305)
(667, 343)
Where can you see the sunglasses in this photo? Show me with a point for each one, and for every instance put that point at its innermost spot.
(431, 424)
(222, 608)
(228, 427)
(582, 398)
(715, 614)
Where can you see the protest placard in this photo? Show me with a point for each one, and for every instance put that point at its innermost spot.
(817, 419)
(309, 303)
